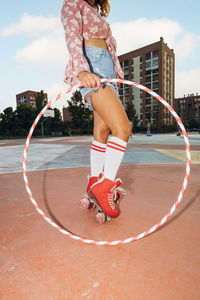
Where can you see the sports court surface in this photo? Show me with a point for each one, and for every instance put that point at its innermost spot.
(38, 262)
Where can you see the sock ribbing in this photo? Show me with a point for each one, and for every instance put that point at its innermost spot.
(97, 157)
(114, 154)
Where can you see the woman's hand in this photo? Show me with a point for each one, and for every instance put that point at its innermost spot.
(118, 83)
(89, 79)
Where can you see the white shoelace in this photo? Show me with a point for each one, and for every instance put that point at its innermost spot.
(110, 200)
(120, 189)
(113, 195)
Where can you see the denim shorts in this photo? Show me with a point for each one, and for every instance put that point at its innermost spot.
(101, 63)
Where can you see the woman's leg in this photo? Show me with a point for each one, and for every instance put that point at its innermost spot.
(98, 147)
(97, 154)
(101, 131)
(109, 108)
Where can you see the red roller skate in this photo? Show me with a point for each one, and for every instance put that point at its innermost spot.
(102, 195)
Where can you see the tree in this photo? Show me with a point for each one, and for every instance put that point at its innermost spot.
(8, 122)
(25, 116)
(132, 115)
(82, 118)
(40, 101)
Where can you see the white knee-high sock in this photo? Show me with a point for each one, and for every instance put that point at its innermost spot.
(97, 157)
(114, 154)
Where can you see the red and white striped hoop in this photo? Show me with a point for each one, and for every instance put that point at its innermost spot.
(145, 233)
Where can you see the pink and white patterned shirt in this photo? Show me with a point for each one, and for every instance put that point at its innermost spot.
(82, 22)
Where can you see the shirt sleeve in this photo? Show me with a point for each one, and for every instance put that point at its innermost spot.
(72, 23)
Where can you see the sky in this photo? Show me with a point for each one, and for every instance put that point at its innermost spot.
(33, 53)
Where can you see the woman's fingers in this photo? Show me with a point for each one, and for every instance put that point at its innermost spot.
(98, 82)
(92, 80)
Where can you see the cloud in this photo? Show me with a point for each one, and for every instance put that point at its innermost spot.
(55, 89)
(187, 82)
(47, 49)
(31, 26)
(49, 43)
(141, 32)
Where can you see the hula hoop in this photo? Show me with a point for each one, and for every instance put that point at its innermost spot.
(133, 238)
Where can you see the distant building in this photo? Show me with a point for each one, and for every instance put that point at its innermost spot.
(188, 108)
(28, 98)
(153, 67)
(66, 114)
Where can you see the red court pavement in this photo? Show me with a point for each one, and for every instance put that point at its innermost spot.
(38, 262)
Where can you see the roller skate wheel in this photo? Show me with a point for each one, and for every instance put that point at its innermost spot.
(92, 206)
(100, 217)
(85, 203)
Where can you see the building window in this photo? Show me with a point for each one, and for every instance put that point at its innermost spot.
(125, 63)
(155, 62)
(155, 71)
(148, 85)
(155, 85)
(126, 77)
(155, 54)
(148, 64)
(22, 100)
(148, 56)
(156, 91)
(155, 77)
(148, 79)
(126, 90)
(148, 108)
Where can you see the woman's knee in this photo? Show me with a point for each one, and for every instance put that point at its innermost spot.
(129, 130)
(123, 132)
(101, 133)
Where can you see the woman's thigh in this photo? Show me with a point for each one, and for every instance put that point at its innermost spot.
(101, 63)
(109, 107)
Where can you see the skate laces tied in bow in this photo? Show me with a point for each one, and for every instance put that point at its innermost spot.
(113, 193)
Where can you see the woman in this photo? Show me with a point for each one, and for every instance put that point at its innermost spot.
(92, 51)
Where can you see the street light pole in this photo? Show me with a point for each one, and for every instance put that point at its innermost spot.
(199, 119)
(43, 126)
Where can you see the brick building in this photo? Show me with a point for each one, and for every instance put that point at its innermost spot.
(153, 67)
(188, 108)
(28, 98)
